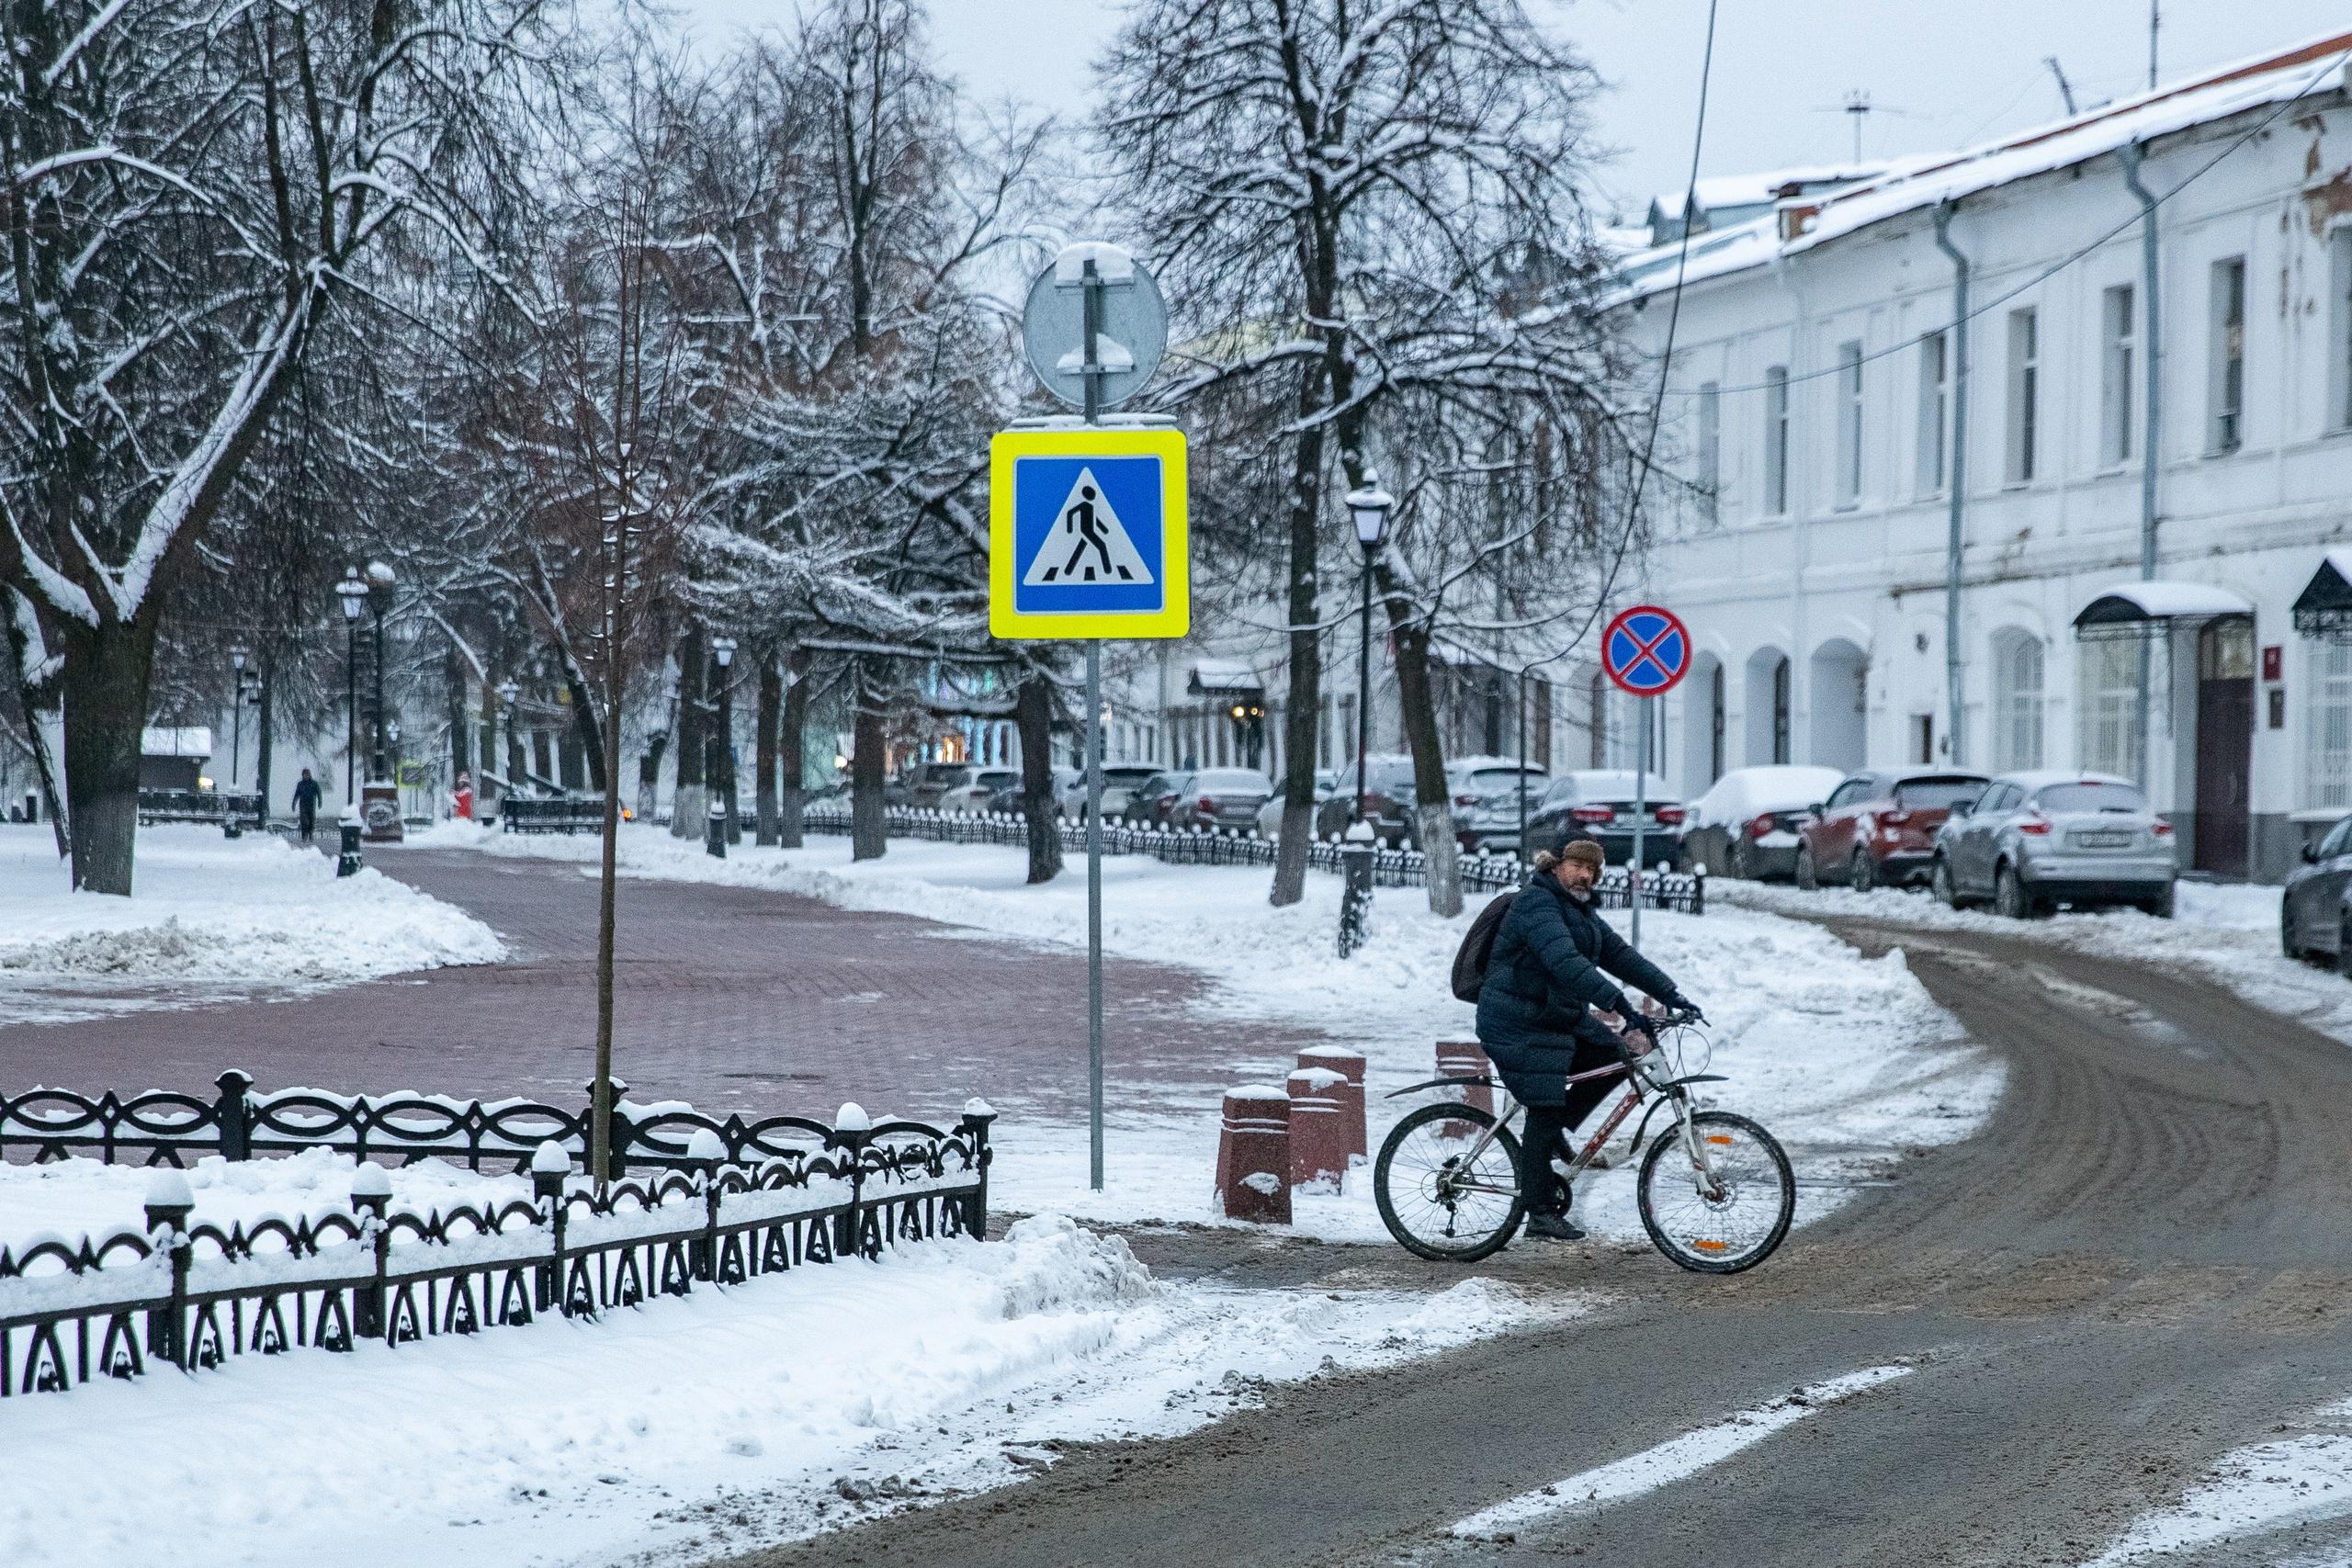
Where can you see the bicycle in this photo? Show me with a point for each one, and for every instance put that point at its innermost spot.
(1447, 1176)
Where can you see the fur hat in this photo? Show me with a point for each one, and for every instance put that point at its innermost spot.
(1580, 849)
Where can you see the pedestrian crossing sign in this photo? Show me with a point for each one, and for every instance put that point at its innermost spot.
(1086, 534)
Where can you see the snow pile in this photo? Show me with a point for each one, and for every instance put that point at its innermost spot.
(1846, 1059)
(77, 1197)
(720, 1420)
(2250, 1494)
(2228, 932)
(216, 918)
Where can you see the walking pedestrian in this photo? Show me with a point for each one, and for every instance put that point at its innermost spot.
(306, 804)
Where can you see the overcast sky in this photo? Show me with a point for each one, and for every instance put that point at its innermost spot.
(1940, 75)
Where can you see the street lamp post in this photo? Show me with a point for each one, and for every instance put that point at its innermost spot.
(720, 767)
(354, 595)
(393, 751)
(1368, 507)
(237, 657)
(379, 599)
(507, 692)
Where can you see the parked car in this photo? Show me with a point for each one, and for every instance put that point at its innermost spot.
(2312, 914)
(1598, 803)
(1149, 801)
(1387, 802)
(1120, 781)
(1878, 826)
(1270, 815)
(927, 783)
(1485, 795)
(974, 795)
(1745, 824)
(2034, 840)
(1008, 799)
(1219, 797)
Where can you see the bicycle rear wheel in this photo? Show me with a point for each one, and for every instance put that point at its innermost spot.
(1736, 1221)
(1439, 1200)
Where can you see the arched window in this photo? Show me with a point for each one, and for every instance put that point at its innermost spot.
(2016, 700)
(1715, 723)
(1780, 710)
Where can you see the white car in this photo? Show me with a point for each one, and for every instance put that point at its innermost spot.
(1120, 781)
(972, 796)
(1747, 824)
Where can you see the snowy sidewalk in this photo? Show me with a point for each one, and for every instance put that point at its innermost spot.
(1845, 1058)
(209, 919)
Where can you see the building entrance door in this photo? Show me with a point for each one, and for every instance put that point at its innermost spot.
(2224, 744)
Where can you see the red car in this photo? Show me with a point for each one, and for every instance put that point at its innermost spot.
(1880, 828)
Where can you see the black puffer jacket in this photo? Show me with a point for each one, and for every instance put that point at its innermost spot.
(1552, 959)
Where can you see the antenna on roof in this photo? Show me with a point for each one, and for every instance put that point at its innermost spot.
(2066, 89)
(1857, 107)
(2154, 21)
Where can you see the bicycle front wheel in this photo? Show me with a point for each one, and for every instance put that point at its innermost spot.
(1443, 1195)
(1731, 1214)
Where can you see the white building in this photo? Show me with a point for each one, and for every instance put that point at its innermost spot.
(1822, 403)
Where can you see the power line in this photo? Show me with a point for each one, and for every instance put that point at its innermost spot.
(2332, 63)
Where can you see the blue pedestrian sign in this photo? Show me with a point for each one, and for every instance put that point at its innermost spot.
(1646, 650)
(1087, 534)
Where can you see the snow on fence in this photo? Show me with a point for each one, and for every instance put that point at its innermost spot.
(728, 1201)
(1481, 871)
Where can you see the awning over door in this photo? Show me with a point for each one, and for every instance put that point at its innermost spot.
(1225, 678)
(2323, 609)
(2134, 609)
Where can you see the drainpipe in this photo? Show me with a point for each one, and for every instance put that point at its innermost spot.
(1956, 484)
(2151, 441)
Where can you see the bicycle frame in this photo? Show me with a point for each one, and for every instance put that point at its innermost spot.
(1636, 1090)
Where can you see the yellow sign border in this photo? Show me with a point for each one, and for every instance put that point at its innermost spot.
(1174, 618)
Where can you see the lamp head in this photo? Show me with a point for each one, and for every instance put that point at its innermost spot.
(723, 650)
(1368, 507)
(353, 591)
(392, 729)
(507, 692)
(237, 656)
(379, 574)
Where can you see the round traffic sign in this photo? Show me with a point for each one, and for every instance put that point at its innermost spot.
(1646, 650)
(1129, 339)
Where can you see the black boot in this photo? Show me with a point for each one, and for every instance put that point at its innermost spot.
(1552, 1227)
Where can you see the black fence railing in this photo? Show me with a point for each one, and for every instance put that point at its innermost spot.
(727, 1201)
(198, 805)
(1481, 871)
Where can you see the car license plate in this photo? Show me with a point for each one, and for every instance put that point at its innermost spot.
(2104, 841)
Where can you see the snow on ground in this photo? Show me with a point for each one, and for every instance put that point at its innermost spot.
(87, 1197)
(783, 1405)
(2226, 931)
(2249, 1493)
(1845, 1058)
(209, 918)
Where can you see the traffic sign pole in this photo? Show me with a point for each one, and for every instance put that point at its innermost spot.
(1641, 810)
(1092, 283)
(1646, 651)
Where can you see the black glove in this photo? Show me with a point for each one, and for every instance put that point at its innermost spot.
(1685, 1008)
(1639, 1022)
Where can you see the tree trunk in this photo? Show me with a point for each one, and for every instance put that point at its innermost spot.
(1032, 715)
(104, 687)
(1433, 806)
(791, 757)
(764, 743)
(588, 724)
(453, 675)
(1304, 703)
(868, 830)
(690, 800)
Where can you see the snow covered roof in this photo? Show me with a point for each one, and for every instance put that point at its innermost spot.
(177, 740)
(2160, 601)
(1799, 222)
(1225, 676)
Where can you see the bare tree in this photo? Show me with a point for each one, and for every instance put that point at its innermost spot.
(1345, 196)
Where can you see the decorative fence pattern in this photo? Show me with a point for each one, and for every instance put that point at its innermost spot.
(555, 814)
(727, 1201)
(1390, 868)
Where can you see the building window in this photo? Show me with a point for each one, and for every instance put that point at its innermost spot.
(1849, 424)
(1935, 410)
(2225, 431)
(2340, 371)
(1775, 441)
(2017, 714)
(1923, 738)
(2025, 394)
(2327, 728)
(1715, 723)
(1710, 447)
(1781, 711)
(2115, 376)
(2111, 705)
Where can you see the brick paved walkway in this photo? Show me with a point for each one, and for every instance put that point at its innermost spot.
(729, 997)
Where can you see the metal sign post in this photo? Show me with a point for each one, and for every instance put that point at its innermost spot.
(1087, 526)
(1646, 651)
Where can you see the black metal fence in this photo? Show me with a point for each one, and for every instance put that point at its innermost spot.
(1684, 891)
(558, 814)
(197, 805)
(725, 1200)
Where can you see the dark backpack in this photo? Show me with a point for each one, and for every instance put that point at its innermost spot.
(1477, 947)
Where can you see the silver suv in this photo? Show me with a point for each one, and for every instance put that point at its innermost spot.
(2035, 840)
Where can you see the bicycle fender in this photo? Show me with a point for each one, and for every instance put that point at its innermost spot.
(1442, 1083)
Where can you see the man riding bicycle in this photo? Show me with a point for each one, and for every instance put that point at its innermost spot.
(1548, 974)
